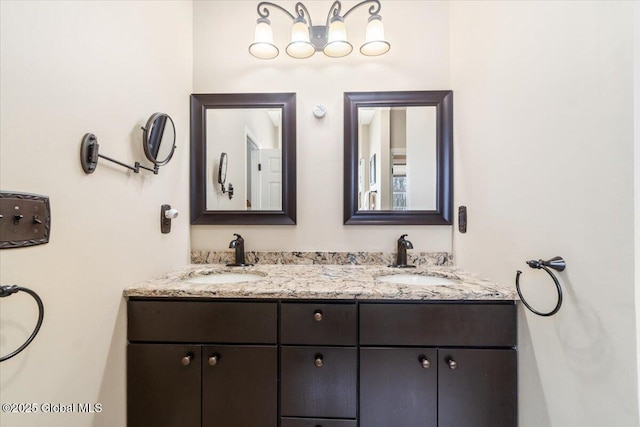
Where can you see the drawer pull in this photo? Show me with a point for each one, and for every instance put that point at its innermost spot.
(186, 360)
(318, 362)
(317, 315)
(213, 360)
(452, 363)
(424, 362)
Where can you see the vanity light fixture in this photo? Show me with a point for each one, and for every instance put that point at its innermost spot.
(307, 39)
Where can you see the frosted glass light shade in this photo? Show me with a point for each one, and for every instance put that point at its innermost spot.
(300, 46)
(337, 45)
(262, 46)
(375, 44)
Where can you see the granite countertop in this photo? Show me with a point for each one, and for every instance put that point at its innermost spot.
(321, 282)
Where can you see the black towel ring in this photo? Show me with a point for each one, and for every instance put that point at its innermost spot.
(556, 263)
(7, 290)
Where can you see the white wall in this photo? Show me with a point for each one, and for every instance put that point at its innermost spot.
(636, 109)
(227, 66)
(544, 161)
(68, 68)
(421, 145)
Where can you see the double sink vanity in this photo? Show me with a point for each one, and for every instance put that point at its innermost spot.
(322, 339)
(308, 345)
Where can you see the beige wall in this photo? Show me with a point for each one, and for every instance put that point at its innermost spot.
(544, 161)
(222, 63)
(540, 90)
(68, 68)
(636, 97)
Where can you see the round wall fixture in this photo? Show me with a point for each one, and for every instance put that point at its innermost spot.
(320, 110)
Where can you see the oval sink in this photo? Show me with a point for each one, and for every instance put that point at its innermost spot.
(220, 278)
(415, 279)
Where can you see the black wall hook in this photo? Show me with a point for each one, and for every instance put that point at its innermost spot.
(556, 263)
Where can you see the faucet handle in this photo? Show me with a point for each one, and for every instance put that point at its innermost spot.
(239, 237)
(402, 241)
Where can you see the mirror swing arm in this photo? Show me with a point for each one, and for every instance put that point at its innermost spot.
(90, 149)
(89, 154)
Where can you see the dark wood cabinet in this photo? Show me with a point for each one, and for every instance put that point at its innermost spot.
(229, 378)
(160, 379)
(317, 422)
(319, 382)
(284, 363)
(239, 386)
(477, 387)
(438, 385)
(398, 387)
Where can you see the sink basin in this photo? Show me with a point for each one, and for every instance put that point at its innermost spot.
(415, 279)
(214, 279)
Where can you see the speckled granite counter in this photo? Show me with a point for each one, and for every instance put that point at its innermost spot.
(321, 282)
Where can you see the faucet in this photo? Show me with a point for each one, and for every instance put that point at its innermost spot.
(238, 245)
(403, 245)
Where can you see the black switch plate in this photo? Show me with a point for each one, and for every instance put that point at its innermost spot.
(25, 220)
(462, 219)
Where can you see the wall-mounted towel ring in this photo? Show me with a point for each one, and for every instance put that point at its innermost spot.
(7, 290)
(556, 263)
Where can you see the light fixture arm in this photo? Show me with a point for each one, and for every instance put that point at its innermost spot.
(302, 11)
(373, 10)
(264, 13)
(334, 11)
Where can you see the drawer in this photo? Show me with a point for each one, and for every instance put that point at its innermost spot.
(316, 422)
(312, 389)
(467, 324)
(203, 321)
(318, 324)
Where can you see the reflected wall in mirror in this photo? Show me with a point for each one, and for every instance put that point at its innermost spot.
(257, 133)
(398, 157)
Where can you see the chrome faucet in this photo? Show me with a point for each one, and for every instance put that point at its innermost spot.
(401, 259)
(238, 245)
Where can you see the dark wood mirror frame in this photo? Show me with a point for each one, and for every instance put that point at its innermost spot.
(200, 103)
(443, 101)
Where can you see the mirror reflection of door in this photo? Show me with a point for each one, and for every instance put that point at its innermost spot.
(253, 177)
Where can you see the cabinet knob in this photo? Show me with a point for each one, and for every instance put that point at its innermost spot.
(213, 360)
(452, 364)
(318, 362)
(317, 315)
(186, 360)
(425, 362)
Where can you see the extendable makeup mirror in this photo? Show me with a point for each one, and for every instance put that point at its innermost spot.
(158, 143)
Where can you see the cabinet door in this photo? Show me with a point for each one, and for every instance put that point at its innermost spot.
(239, 386)
(398, 387)
(319, 382)
(163, 385)
(477, 388)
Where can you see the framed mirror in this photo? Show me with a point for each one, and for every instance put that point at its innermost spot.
(249, 142)
(398, 157)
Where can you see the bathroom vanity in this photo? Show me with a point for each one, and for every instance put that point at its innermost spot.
(330, 346)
